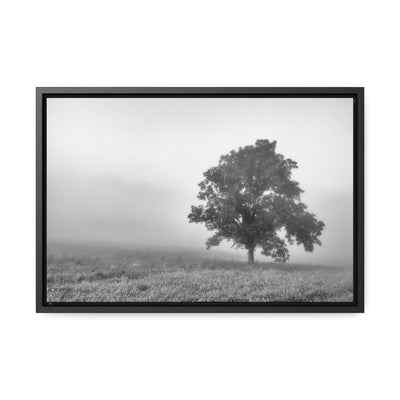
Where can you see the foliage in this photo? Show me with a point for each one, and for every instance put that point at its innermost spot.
(250, 197)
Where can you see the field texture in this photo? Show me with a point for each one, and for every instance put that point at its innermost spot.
(157, 277)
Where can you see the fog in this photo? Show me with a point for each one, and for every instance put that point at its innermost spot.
(125, 171)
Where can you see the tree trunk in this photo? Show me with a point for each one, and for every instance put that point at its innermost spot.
(250, 256)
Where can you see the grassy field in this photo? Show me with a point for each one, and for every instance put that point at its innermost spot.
(110, 276)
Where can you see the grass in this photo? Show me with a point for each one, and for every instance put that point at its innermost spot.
(121, 276)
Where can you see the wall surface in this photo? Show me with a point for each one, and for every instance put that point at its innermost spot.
(208, 43)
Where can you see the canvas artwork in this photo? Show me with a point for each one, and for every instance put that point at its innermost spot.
(200, 200)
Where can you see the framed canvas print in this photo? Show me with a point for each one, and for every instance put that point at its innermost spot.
(200, 199)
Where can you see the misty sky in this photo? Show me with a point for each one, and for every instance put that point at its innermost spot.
(126, 170)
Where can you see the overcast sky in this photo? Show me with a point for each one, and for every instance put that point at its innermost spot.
(126, 170)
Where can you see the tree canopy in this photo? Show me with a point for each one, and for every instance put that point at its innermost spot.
(250, 199)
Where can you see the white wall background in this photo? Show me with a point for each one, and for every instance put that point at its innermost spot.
(183, 43)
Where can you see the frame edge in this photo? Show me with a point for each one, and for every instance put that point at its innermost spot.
(42, 92)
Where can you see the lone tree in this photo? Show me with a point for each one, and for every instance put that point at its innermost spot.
(250, 197)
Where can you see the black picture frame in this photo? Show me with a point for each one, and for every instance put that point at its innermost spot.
(357, 93)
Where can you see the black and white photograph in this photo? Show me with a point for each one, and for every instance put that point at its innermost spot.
(200, 200)
(222, 199)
